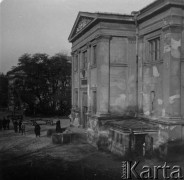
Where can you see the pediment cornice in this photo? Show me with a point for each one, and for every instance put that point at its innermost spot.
(82, 21)
(85, 20)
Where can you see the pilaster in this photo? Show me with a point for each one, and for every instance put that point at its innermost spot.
(103, 74)
(172, 71)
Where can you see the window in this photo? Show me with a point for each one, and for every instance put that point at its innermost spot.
(94, 107)
(84, 82)
(84, 60)
(94, 56)
(154, 49)
(76, 97)
(76, 63)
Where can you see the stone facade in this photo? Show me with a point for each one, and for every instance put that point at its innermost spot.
(130, 66)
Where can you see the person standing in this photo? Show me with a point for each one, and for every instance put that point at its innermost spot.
(15, 126)
(4, 123)
(23, 129)
(1, 124)
(8, 123)
(58, 126)
(20, 124)
(37, 130)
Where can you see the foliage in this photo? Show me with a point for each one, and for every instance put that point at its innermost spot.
(42, 83)
(3, 91)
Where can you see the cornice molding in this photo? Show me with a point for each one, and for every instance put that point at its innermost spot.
(103, 37)
(173, 27)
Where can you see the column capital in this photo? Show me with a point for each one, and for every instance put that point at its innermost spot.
(88, 44)
(78, 51)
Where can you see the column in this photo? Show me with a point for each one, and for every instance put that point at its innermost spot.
(89, 77)
(72, 79)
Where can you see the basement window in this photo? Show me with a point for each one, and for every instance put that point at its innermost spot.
(154, 49)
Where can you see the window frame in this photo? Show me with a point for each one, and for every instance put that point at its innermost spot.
(154, 49)
(94, 55)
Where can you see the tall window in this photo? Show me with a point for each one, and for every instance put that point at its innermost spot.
(154, 49)
(94, 55)
(94, 107)
(76, 63)
(84, 60)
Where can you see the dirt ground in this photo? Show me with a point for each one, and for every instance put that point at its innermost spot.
(25, 157)
(30, 158)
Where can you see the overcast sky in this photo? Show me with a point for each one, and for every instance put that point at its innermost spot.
(43, 26)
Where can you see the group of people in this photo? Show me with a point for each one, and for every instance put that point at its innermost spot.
(19, 126)
(4, 123)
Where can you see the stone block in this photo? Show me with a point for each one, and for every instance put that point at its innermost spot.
(61, 138)
(56, 138)
(50, 132)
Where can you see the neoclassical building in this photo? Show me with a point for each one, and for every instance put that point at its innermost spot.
(128, 76)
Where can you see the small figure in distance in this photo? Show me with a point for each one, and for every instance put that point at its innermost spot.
(4, 123)
(20, 124)
(8, 123)
(58, 126)
(15, 125)
(23, 129)
(37, 129)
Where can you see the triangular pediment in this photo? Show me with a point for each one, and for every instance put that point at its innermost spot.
(82, 21)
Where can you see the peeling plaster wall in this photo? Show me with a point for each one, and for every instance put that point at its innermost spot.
(182, 89)
(164, 77)
(103, 76)
(172, 73)
(152, 81)
(166, 72)
(118, 89)
(168, 133)
(122, 76)
(174, 98)
(161, 83)
(92, 131)
(182, 73)
(132, 76)
(118, 143)
(118, 50)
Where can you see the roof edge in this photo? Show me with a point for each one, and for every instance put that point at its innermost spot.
(98, 16)
(158, 5)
